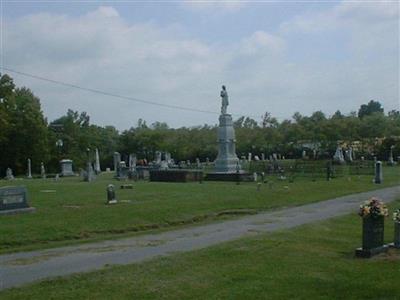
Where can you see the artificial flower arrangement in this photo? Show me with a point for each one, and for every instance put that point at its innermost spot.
(396, 216)
(373, 208)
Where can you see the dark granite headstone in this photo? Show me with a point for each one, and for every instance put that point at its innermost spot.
(372, 237)
(396, 235)
(13, 199)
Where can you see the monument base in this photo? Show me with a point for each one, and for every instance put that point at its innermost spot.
(17, 211)
(367, 253)
(235, 177)
(176, 175)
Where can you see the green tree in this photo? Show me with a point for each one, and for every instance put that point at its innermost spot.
(369, 109)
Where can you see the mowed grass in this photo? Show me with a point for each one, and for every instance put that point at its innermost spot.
(71, 211)
(314, 261)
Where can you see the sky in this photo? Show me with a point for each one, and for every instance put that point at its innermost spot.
(280, 57)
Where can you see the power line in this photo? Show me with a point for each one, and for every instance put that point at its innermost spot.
(111, 94)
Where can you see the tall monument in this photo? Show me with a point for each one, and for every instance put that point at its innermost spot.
(227, 165)
(227, 161)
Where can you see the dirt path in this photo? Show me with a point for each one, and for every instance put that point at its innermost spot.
(21, 268)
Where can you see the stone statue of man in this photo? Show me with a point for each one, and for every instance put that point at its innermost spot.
(225, 102)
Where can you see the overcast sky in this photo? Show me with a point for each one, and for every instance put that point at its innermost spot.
(276, 57)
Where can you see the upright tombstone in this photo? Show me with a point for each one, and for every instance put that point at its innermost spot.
(111, 199)
(89, 175)
(373, 213)
(66, 168)
(42, 171)
(123, 171)
(274, 157)
(338, 157)
(14, 199)
(97, 167)
(304, 154)
(207, 161)
(314, 154)
(158, 157)
(391, 161)
(9, 174)
(198, 163)
(249, 155)
(349, 154)
(117, 159)
(328, 170)
(256, 157)
(378, 172)
(168, 158)
(262, 156)
(132, 162)
(29, 170)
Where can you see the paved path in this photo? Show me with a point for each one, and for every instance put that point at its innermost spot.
(21, 268)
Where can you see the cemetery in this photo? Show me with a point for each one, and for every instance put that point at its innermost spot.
(199, 150)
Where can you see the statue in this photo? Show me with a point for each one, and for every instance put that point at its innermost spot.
(225, 102)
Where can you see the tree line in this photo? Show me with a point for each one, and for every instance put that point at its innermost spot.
(26, 133)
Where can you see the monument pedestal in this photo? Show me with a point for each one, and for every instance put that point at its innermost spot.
(227, 166)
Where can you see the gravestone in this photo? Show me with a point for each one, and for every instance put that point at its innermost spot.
(123, 171)
(14, 199)
(97, 167)
(111, 199)
(207, 161)
(89, 174)
(274, 157)
(66, 168)
(328, 170)
(262, 156)
(9, 174)
(132, 162)
(378, 172)
(349, 154)
(168, 158)
(249, 155)
(42, 171)
(29, 171)
(304, 154)
(158, 157)
(315, 154)
(117, 159)
(57, 177)
(338, 157)
(372, 237)
(391, 161)
(255, 176)
(396, 242)
(256, 158)
(198, 163)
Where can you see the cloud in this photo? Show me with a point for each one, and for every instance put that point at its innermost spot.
(168, 64)
(217, 6)
(261, 41)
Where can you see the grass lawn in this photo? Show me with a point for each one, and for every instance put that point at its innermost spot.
(314, 261)
(71, 211)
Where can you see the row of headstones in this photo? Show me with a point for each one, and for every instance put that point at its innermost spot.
(349, 156)
(10, 175)
(273, 157)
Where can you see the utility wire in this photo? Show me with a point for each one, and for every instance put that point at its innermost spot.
(111, 94)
